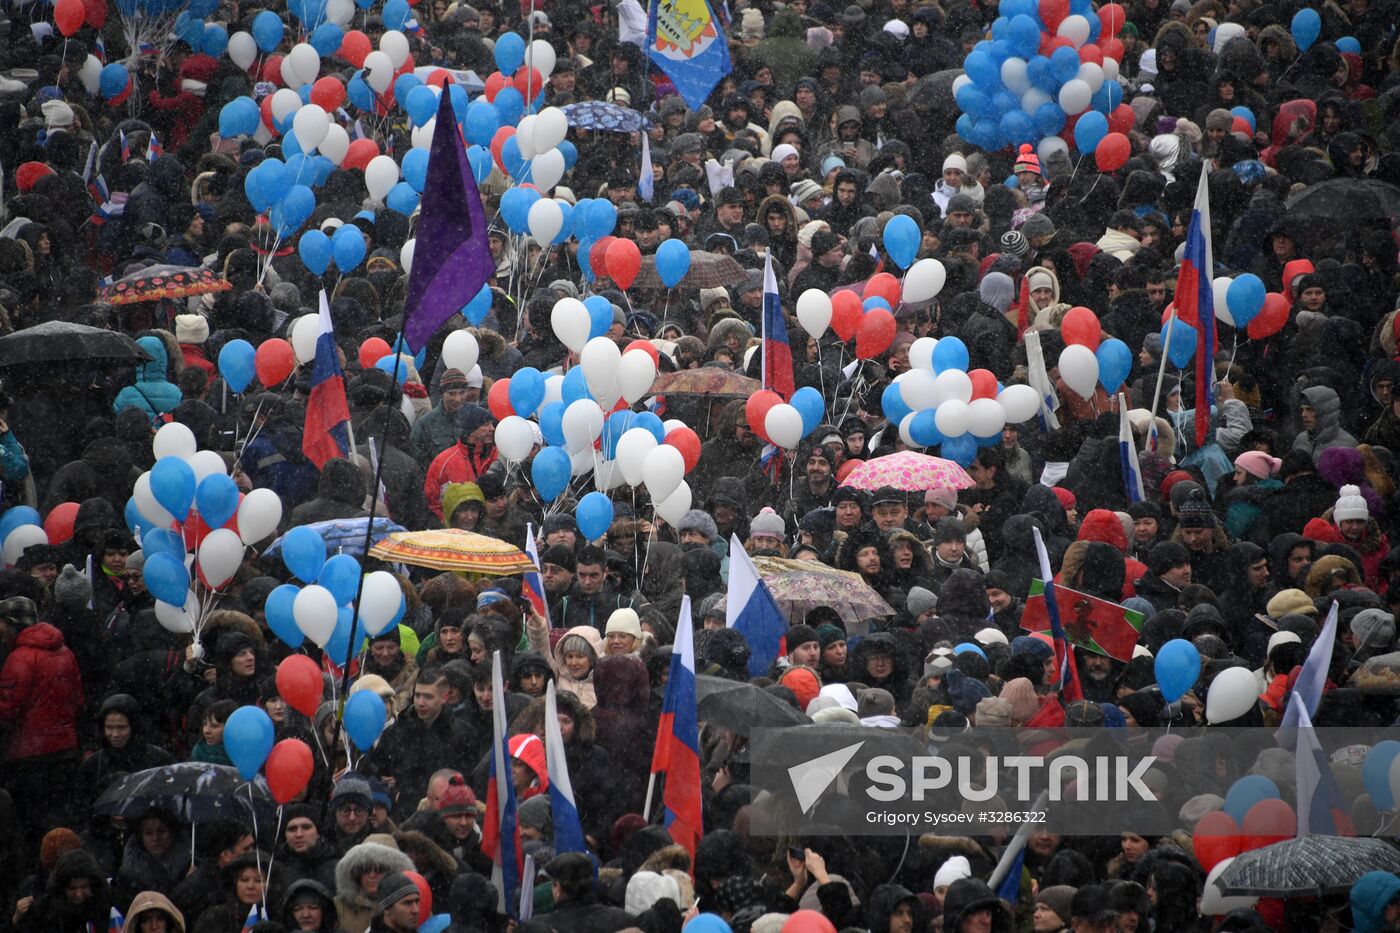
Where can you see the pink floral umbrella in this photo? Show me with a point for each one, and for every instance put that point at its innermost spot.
(909, 472)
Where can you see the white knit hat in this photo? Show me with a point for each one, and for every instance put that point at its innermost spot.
(991, 636)
(783, 150)
(768, 522)
(191, 328)
(955, 869)
(955, 160)
(646, 888)
(1281, 638)
(625, 621)
(1350, 505)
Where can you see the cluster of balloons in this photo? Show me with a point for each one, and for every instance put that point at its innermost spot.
(1242, 302)
(271, 363)
(1088, 359)
(1254, 815)
(193, 525)
(20, 528)
(1381, 774)
(1046, 67)
(785, 424)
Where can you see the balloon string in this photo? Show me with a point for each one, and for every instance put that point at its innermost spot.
(257, 854)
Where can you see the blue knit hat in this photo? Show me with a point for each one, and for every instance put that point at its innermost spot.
(1037, 648)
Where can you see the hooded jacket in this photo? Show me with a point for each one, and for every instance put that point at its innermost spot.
(354, 909)
(152, 900)
(340, 493)
(785, 51)
(104, 765)
(625, 726)
(51, 913)
(1327, 430)
(323, 894)
(105, 469)
(41, 694)
(152, 392)
(538, 635)
(969, 895)
(1370, 896)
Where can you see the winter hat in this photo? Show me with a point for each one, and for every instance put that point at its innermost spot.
(949, 528)
(136, 563)
(991, 635)
(55, 844)
(29, 174)
(1057, 897)
(1198, 806)
(1373, 628)
(352, 788)
(1027, 161)
(701, 521)
(1258, 464)
(1014, 242)
(57, 115)
(1350, 505)
(770, 523)
(646, 888)
(955, 869)
(1039, 279)
(1196, 511)
(803, 683)
(960, 203)
(751, 24)
(824, 241)
(997, 290)
(782, 151)
(457, 798)
(805, 190)
(964, 693)
(1030, 646)
(393, 888)
(955, 160)
(920, 601)
(72, 588)
(801, 635)
(1038, 225)
(828, 635)
(1020, 693)
(1220, 119)
(625, 621)
(191, 328)
(993, 711)
(1288, 602)
(1281, 638)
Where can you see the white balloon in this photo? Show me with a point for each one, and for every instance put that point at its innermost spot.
(460, 351)
(635, 374)
(380, 596)
(379, 71)
(553, 389)
(1050, 146)
(220, 555)
(310, 126)
(1032, 100)
(607, 475)
(335, 144)
(91, 72)
(664, 468)
(288, 72)
(545, 220)
(285, 102)
(921, 353)
(304, 331)
(340, 12)
(1074, 28)
(600, 360)
(525, 137)
(959, 82)
(674, 506)
(514, 437)
(1213, 901)
(178, 619)
(540, 56)
(951, 418)
(1020, 403)
(547, 168)
(395, 45)
(905, 431)
(1079, 369)
(259, 514)
(381, 175)
(1110, 69)
(633, 448)
(306, 62)
(1221, 287)
(174, 440)
(985, 417)
(783, 425)
(151, 510)
(262, 135)
(917, 389)
(242, 49)
(421, 137)
(28, 535)
(570, 322)
(551, 125)
(315, 610)
(406, 256)
(206, 463)
(581, 461)
(952, 384)
(582, 422)
(924, 281)
(814, 311)
(1013, 75)
(1092, 75)
(1074, 96)
(1233, 692)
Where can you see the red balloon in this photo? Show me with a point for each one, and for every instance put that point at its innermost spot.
(528, 82)
(688, 443)
(499, 140)
(425, 896)
(1267, 822)
(1052, 13)
(354, 46)
(844, 470)
(1121, 119)
(875, 333)
(289, 766)
(360, 153)
(274, 362)
(646, 347)
(1112, 47)
(598, 256)
(1112, 152)
(265, 108)
(883, 285)
(96, 13)
(299, 683)
(68, 15)
(438, 78)
(494, 83)
(624, 262)
(372, 351)
(1081, 326)
(984, 383)
(809, 921)
(1111, 19)
(1215, 838)
(58, 524)
(846, 313)
(1050, 42)
(328, 93)
(756, 410)
(272, 69)
(1270, 319)
(498, 399)
(1241, 125)
(1088, 52)
(193, 530)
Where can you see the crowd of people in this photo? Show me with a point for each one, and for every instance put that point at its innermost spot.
(832, 121)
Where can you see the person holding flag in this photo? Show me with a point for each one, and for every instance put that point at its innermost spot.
(676, 758)
(500, 836)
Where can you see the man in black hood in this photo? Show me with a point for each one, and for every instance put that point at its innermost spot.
(339, 494)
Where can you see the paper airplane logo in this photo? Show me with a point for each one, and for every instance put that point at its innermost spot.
(811, 778)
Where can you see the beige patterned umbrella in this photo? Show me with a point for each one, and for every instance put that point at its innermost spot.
(799, 586)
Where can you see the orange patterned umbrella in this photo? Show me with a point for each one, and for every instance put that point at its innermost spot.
(156, 282)
(453, 549)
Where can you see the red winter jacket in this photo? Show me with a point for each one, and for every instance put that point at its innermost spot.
(41, 694)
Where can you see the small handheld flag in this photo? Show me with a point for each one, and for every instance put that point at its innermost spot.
(327, 431)
(500, 836)
(1127, 454)
(1064, 651)
(751, 611)
(532, 586)
(777, 350)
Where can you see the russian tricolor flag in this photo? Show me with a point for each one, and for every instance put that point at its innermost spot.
(751, 611)
(532, 587)
(154, 150)
(327, 430)
(500, 836)
(568, 831)
(777, 351)
(1127, 454)
(1064, 651)
(1312, 679)
(1321, 808)
(126, 149)
(1195, 303)
(677, 754)
(254, 918)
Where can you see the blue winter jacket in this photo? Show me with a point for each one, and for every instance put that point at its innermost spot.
(152, 392)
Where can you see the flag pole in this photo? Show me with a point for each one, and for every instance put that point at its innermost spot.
(1162, 364)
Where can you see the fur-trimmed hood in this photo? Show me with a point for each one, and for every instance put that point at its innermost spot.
(362, 858)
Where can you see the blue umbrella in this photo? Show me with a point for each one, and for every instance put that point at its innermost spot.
(345, 535)
(598, 115)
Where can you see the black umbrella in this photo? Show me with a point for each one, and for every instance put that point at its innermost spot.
(60, 342)
(1312, 865)
(194, 791)
(740, 707)
(1347, 201)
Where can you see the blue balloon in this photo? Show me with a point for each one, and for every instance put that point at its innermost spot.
(364, 718)
(359, 92)
(481, 122)
(435, 924)
(238, 117)
(293, 210)
(951, 353)
(200, 9)
(550, 471)
(526, 390)
(172, 484)
(402, 199)
(576, 387)
(16, 516)
(303, 553)
(167, 578)
(290, 146)
(248, 738)
(902, 238)
(163, 541)
(1091, 128)
(480, 159)
(514, 163)
(616, 425)
(594, 516)
(275, 177)
(136, 523)
(566, 228)
(338, 645)
(584, 264)
(1182, 348)
(600, 315)
(112, 80)
(395, 14)
(1024, 34)
(961, 450)
(314, 247)
(650, 421)
(1246, 792)
(236, 365)
(391, 364)
(515, 208)
(458, 97)
(278, 610)
(1246, 114)
(326, 38)
(1064, 64)
(475, 311)
(1040, 73)
(973, 101)
(1177, 666)
(341, 575)
(982, 69)
(510, 52)
(811, 406)
(217, 499)
(672, 262)
(1115, 363)
(415, 168)
(1049, 118)
(213, 39)
(1107, 97)
(875, 301)
(510, 105)
(1307, 25)
(1349, 45)
(893, 404)
(552, 422)
(600, 219)
(348, 245)
(405, 85)
(924, 429)
(1245, 298)
(570, 153)
(1004, 102)
(421, 104)
(267, 31)
(1375, 774)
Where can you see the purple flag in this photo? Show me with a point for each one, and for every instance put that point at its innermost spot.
(451, 259)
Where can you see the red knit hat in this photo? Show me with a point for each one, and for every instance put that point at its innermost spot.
(457, 798)
(28, 175)
(1066, 497)
(1027, 160)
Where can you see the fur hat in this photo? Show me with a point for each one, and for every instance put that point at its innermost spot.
(1350, 505)
(701, 521)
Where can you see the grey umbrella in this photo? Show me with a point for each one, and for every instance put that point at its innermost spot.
(60, 341)
(739, 706)
(1312, 865)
